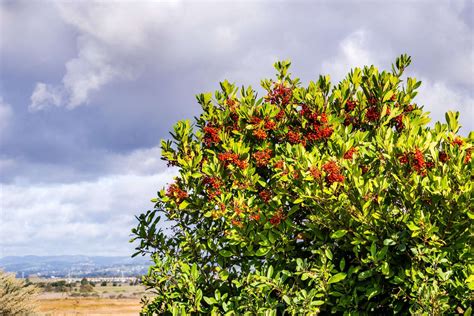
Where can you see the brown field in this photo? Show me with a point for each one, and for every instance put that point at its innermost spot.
(89, 306)
(121, 299)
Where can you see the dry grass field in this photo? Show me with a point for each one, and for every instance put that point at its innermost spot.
(89, 306)
(121, 299)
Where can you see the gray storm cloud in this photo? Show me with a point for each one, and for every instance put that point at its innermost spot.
(89, 88)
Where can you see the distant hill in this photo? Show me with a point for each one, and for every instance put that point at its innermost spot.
(74, 266)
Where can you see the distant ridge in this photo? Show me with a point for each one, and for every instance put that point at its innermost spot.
(74, 265)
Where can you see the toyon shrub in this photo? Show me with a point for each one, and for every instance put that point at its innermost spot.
(320, 199)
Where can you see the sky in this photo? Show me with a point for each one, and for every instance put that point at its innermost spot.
(88, 89)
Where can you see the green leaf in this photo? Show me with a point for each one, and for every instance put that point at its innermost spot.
(198, 296)
(371, 293)
(364, 275)
(299, 262)
(194, 271)
(224, 275)
(262, 251)
(385, 268)
(337, 278)
(452, 120)
(387, 96)
(225, 253)
(468, 312)
(270, 272)
(389, 242)
(183, 205)
(298, 201)
(412, 226)
(338, 234)
(373, 249)
(210, 300)
(342, 264)
(328, 253)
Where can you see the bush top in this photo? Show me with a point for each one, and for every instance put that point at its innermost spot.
(338, 198)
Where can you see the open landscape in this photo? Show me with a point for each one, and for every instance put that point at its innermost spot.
(89, 296)
(89, 306)
(79, 285)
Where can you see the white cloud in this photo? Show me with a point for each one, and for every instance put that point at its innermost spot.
(93, 217)
(89, 72)
(119, 41)
(438, 98)
(44, 96)
(354, 51)
(110, 40)
(139, 162)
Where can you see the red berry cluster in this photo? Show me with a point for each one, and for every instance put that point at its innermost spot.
(265, 195)
(231, 103)
(211, 135)
(295, 137)
(231, 158)
(270, 125)
(235, 122)
(260, 134)
(372, 114)
(255, 120)
(333, 173)
(318, 127)
(228, 158)
(350, 105)
(262, 157)
(322, 133)
(417, 161)
(279, 95)
(212, 185)
(278, 164)
(457, 142)
(350, 153)
(277, 218)
(443, 157)
(280, 115)
(430, 164)
(238, 209)
(315, 172)
(255, 217)
(403, 158)
(176, 193)
(348, 120)
(467, 159)
(372, 100)
(398, 120)
(237, 223)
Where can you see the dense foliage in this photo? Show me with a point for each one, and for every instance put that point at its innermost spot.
(16, 297)
(319, 199)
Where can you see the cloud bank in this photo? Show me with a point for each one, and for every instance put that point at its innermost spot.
(89, 89)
